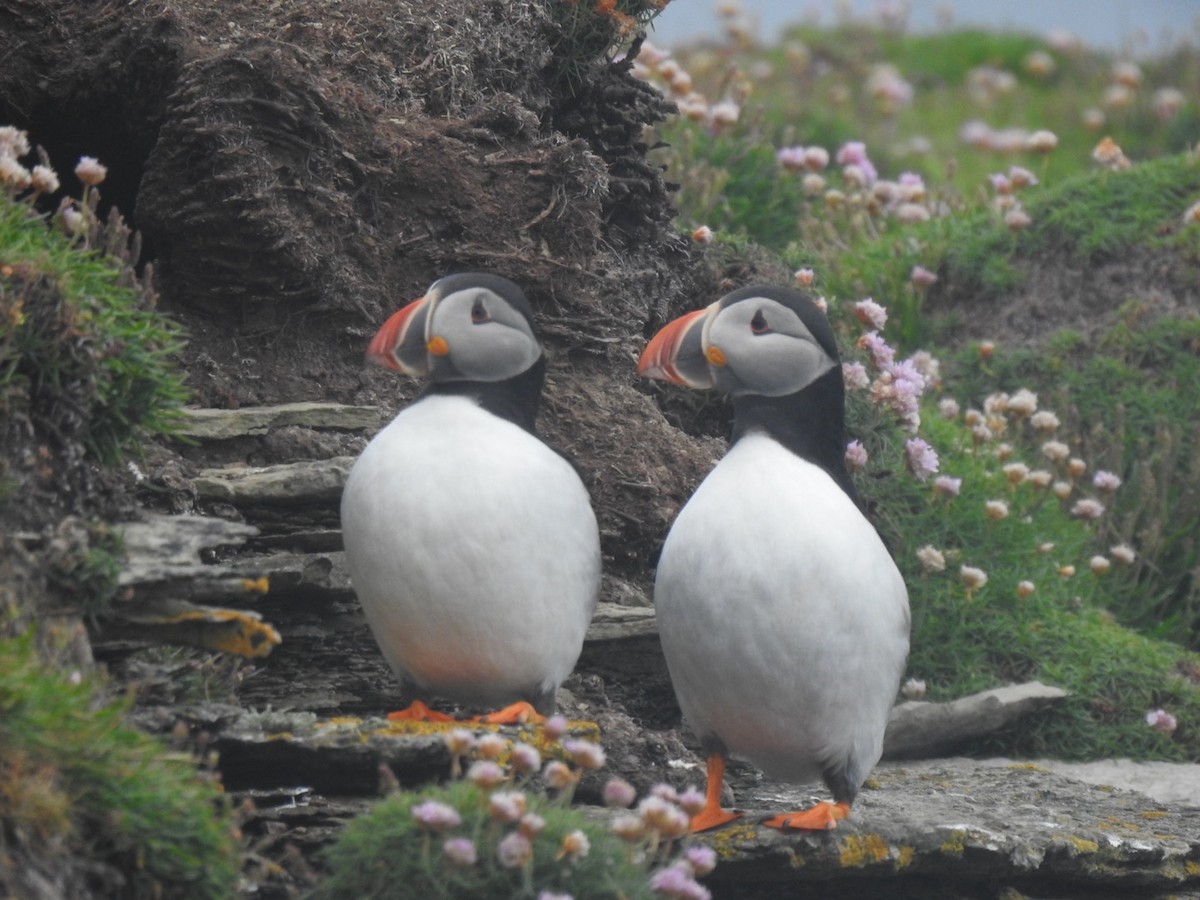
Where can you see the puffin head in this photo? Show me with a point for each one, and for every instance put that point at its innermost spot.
(472, 326)
(763, 340)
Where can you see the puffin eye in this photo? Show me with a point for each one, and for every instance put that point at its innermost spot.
(479, 313)
(759, 323)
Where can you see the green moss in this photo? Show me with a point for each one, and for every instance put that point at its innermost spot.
(96, 806)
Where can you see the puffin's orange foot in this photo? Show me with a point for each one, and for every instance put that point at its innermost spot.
(822, 817)
(418, 712)
(519, 713)
(707, 819)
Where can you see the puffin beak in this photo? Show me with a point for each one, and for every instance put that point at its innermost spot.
(400, 343)
(676, 353)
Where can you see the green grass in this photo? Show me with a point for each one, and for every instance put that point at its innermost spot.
(84, 358)
(97, 806)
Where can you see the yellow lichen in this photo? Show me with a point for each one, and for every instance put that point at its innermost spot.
(1192, 868)
(905, 857)
(725, 842)
(860, 850)
(1154, 814)
(954, 843)
(1029, 767)
(1083, 845)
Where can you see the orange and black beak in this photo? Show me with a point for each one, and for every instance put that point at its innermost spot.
(401, 343)
(677, 352)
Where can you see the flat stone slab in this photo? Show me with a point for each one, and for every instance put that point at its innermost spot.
(224, 424)
(312, 482)
(959, 828)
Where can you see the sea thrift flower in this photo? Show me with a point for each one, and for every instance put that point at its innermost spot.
(1055, 451)
(947, 486)
(490, 746)
(486, 774)
(692, 801)
(913, 689)
(791, 158)
(460, 742)
(854, 376)
(723, 114)
(1025, 588)
(548, 895)
(677, 881)
(986, 348)
(1039, 64)
(1066, 571)
(1104, 480)
(1167, 103)
(972, 578)
(554, 727)
(881, 354)
(460, 851)
(1109, 154)
(996, 510)
(1000, 183)
(525, 758)
(702, 235)
(1040, 478)
(804, 277)
(1127, 73)
(43, 179)
(702, 859)
(816, 158)
(1161, 720)
(821, 303)
(921, 458)
(628, 827)
(948, 408)
(664, 791)
(619, 793)
(558, 775)
(13, 175)
(585, 754)
(931, 558)
(531, 825)
(1041, 141)
(506, 806)
(1062, 489)
(1093, 118)
(89, 170)
(911, 213)
(1123, 554)
(1076, 467)
(1099, 565)
(870, 314)
(1017, 219)
(856, 456)
(1023, 403)
(436, 816)
(574, 846)
(1044, 420)
(921, 277)
(1015, 473)
(514, 850)
(1003, 451)
(813, 184)
(854, 153)
(13, 141)
(1087, 508)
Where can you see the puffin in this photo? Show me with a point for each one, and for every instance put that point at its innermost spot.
(783, 618)
(471, 544)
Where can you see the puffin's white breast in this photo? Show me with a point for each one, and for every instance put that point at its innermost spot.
(474, 551)
(783, 617)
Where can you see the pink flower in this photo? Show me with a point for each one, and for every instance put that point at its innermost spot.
(1106, 481)
(921, 458)
(702, 859)
(854, 376)
(460, 851)
(945, 486)
(436, 816)
(692, 801)
(531, 825)
(619, 793)
(514, 851)
(584, 754)
(575, 845)
(854, 153)
(525, 758)
(89, 170)
(816, 158)
(486, 774)
(1161, 720)
(856, 456)
(870, 314)
(554, 727)
(921, 277)
(676, 881)
(506, 806)
(791, 158)
(702, 235)
(913, 689)
(881, 354)
(804, 277)
(1087, 508)
(558, 775)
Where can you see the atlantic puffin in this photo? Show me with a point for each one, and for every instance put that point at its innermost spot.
(783, 618)
(471, 544)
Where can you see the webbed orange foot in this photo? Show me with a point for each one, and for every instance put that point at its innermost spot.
(821, 817)
(418, 712)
